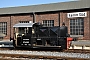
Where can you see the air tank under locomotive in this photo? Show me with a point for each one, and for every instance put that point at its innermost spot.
(34, 35)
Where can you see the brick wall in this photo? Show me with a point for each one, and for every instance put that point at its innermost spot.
(6, 19)
(45, 16)
(51, 16)
(87, 26)
(63, 18)
(17, 18)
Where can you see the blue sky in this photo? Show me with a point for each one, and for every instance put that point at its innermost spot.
(14, 3)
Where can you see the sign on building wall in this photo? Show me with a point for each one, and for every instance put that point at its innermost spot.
(77, 14)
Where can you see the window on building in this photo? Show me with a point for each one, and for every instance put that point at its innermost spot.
(77, 26)
(3, 27)
(48, 23)
(24, 21)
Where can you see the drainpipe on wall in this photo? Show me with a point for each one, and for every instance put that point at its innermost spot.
(59, 19)
(59, 24)
(10, 28)
(34, 18)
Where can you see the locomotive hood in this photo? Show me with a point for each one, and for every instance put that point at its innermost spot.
(24, 25)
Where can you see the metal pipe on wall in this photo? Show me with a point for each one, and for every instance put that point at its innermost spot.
(34, 18)
(10, 27)
(59, 19)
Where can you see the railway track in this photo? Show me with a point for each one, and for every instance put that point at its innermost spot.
(69, 50)
(29, 57)
(44, 55)
(77, 51)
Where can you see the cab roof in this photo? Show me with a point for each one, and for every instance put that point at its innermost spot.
(23, 25)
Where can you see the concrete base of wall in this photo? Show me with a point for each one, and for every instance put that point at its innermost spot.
(81, 44)
(80, 47)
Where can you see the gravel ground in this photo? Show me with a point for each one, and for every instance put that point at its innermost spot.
(48, 53)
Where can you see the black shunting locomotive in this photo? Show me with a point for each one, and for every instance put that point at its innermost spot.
(34, 35)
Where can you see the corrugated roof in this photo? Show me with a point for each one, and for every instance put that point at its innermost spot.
(47, 7)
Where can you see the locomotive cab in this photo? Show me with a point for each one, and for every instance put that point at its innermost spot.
(22, 34)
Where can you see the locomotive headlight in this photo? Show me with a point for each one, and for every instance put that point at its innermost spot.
(22, 34)
(33, 31)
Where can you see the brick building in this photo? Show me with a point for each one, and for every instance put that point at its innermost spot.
(75, 14)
